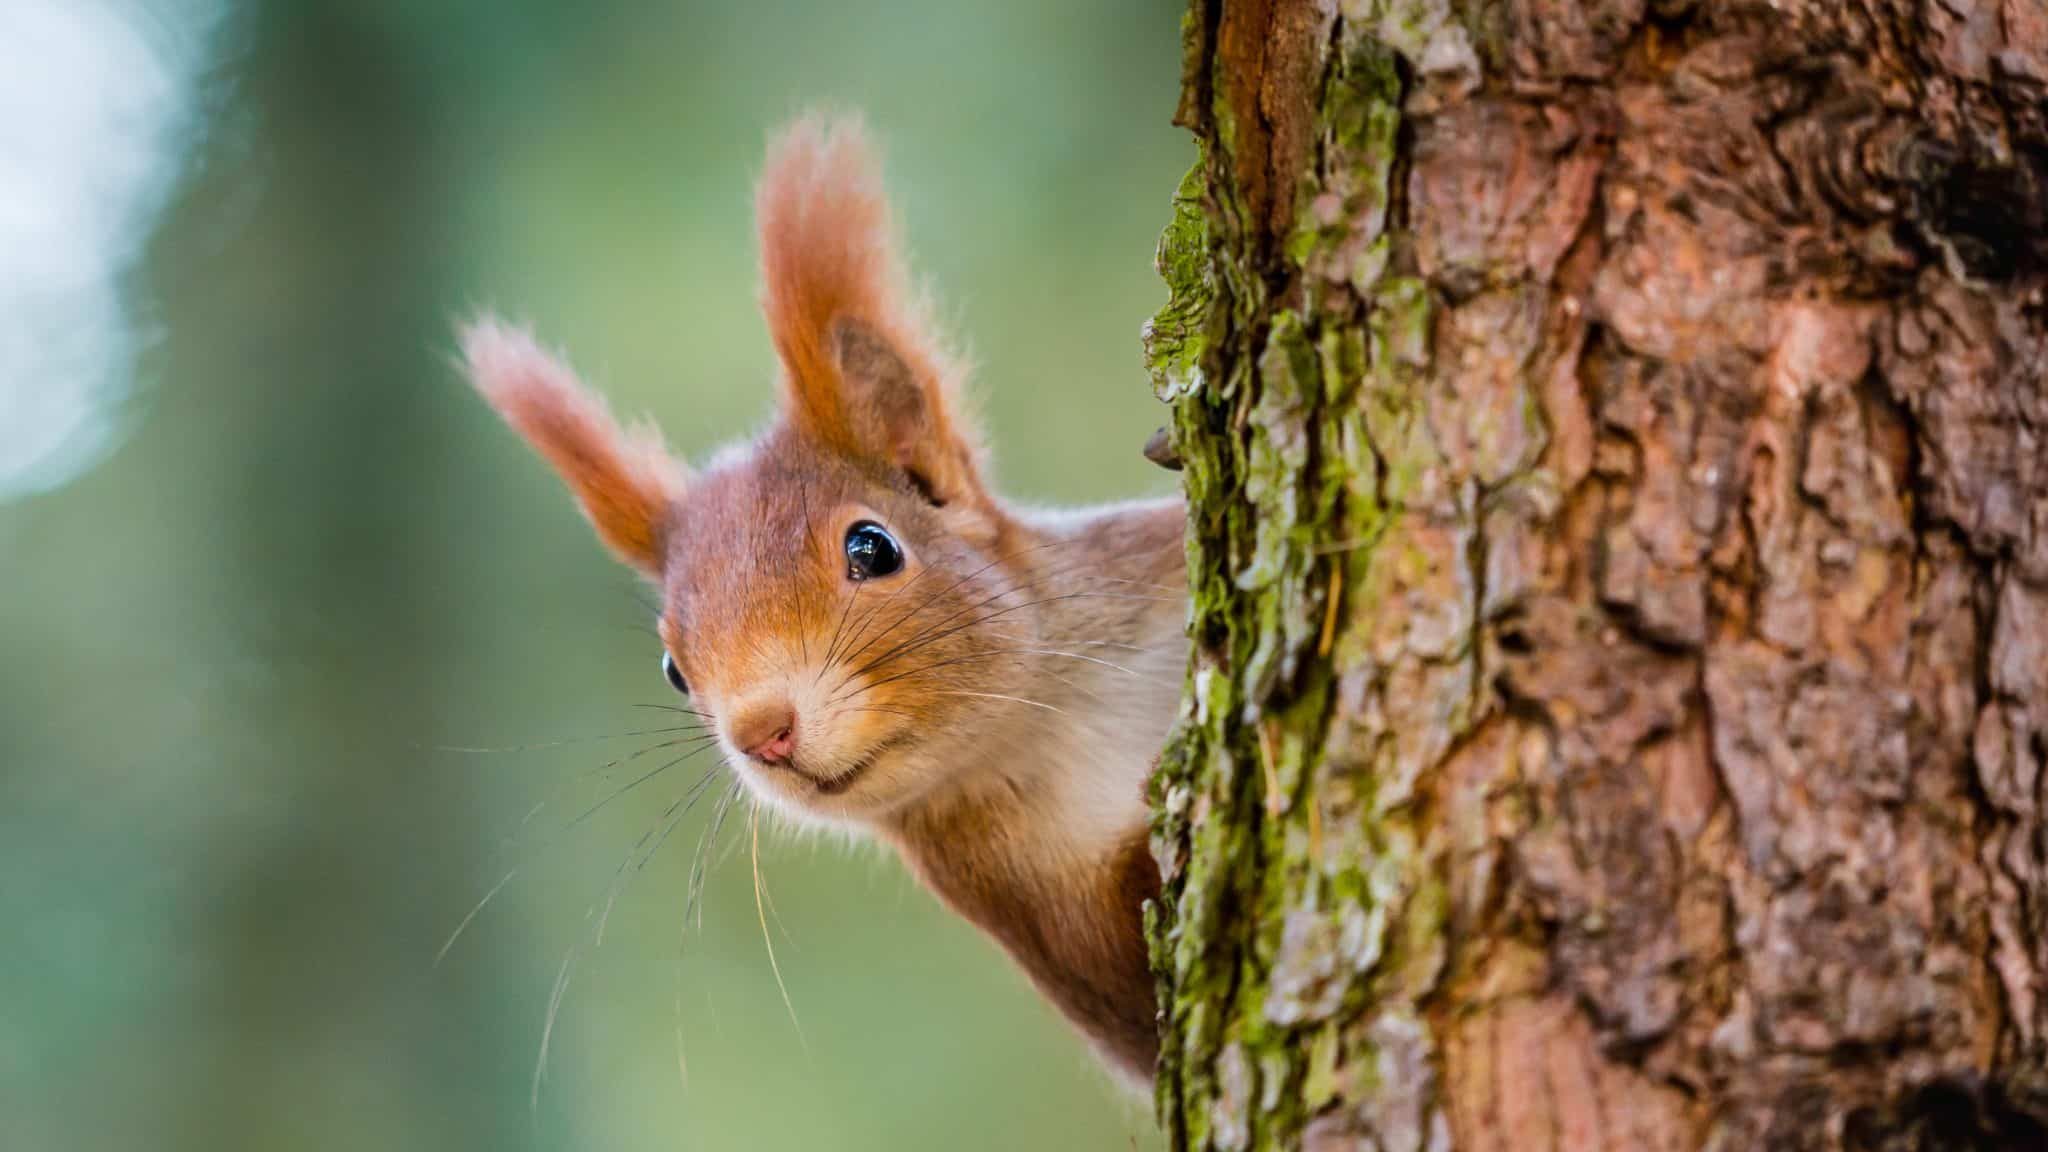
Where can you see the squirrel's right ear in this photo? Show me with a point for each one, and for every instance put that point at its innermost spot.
(626, 479)
(862, 371)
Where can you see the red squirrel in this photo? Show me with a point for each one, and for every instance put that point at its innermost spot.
(877, 640)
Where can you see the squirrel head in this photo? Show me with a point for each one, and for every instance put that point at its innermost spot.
(841, 597)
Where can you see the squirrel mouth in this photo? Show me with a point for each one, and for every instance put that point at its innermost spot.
(843, 779)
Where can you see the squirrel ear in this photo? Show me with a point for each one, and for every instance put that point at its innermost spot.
(862, 372)
(626, 479)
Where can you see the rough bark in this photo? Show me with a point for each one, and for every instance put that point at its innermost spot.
(1616, 440)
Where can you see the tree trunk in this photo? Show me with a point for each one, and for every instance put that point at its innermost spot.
(1616, 438)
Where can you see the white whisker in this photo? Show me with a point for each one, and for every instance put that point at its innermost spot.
(1000, 696)
(547, 1031)
(460, 928)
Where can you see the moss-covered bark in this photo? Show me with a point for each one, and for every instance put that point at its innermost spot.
(1616, 441)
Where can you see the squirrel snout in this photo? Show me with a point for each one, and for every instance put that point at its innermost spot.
(766, 731)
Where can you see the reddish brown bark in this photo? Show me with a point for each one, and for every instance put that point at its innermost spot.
(1695, 674)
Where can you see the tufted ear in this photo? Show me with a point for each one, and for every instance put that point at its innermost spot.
(862, 372)
(626, 479)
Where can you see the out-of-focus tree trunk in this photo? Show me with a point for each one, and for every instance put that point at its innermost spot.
(1616, 434)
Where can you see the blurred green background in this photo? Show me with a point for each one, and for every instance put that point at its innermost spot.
(238, 654)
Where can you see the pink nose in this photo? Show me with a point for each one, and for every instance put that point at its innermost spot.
(767, 732)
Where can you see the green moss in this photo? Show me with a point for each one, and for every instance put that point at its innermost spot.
(1302, 915)
(1176, 338)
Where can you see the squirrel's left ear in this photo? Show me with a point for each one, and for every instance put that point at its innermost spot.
(862, 372)
(626, 479)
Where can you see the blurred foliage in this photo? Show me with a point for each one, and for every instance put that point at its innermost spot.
(241, 654)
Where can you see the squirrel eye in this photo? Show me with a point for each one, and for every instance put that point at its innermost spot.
(871, 551)
(674, 674)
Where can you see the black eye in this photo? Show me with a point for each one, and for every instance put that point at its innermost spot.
(674, 674)
(871, 551)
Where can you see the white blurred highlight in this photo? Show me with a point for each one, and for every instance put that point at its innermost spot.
(96, 120)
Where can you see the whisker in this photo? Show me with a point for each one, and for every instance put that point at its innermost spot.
(547, 1031)
(1168, 588)
(803, 635)
(925, 633)
(1023, 641)
(760, 911)
(1000, 696)
(929, 600)
(704, 716)
(594, 809)
(670, 818)
(682, 1062)
(1076, 642)
(843, 613)
(663, 824)
(1039, 577)
(506, 841)
(1077, 656)
(1076, 686)
(879, 708)
(1118, 644)
(989, 655)
(694, 903)
(903, 650)
(910, 642)
(636, 594)
(467, 920)
(775, 914)
(554, 838)
(563, 743)
(696, 794)
(644, 609)
(890, 598)
(874, 684)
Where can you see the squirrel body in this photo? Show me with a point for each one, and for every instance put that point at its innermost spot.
(876, 639)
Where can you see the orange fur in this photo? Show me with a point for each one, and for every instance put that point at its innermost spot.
(626, 480)
(828, 258)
